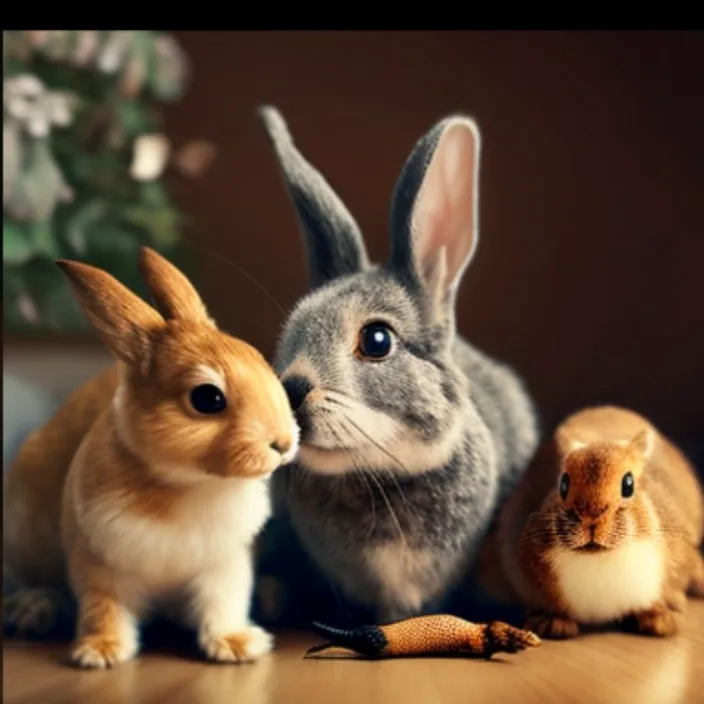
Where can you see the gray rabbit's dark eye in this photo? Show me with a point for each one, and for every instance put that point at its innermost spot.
(208, 399)
(376, 341)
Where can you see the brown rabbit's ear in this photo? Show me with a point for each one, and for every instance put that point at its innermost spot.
(174, 295)
(123, 321)
(643, 443)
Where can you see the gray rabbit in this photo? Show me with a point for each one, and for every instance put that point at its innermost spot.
(410, 437)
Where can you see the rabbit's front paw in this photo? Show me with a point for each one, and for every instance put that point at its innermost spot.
(244, 646)
(98, 652)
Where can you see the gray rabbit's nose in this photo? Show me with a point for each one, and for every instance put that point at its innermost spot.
(297, 388)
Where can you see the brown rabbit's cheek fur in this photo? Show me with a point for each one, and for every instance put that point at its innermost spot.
(162, 432)
(154, 413)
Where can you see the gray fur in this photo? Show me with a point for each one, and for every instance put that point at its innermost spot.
(429, 521)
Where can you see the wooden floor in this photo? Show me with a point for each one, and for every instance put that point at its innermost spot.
(597, 669)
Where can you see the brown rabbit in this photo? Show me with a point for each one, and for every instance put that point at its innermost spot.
(605, 528)
(168, 488)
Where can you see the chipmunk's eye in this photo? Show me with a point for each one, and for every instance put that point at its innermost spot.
(376, 341)
(208, 399)
(564, 486)
(628, 485)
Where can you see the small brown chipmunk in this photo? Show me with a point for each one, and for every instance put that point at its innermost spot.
(605, 528)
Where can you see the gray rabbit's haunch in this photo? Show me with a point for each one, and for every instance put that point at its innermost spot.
(410, 436)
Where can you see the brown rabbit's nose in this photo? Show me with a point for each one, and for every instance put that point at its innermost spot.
(281, 446)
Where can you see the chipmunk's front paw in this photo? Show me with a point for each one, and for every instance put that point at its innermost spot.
(658, 621)
(98, 652)
(552, 626)
(244, 646)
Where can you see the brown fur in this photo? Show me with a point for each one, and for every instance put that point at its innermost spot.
(596, 447)
(34, 484)
(130, 441)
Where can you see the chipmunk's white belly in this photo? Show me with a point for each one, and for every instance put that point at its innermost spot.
(604, 586)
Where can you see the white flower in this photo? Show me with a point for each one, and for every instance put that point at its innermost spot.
(26, 85)
(151, 152)
(58, 108)
(114, 50)
(37, 125)
(26, 100)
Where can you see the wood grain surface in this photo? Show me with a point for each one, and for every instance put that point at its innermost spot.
(600, 669)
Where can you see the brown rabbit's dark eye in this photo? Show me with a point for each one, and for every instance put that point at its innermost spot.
(564, 486)
(376, 341)
(208, 399)
(627, 485)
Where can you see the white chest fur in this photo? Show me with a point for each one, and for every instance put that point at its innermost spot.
(203, 529)
(405, 577)
(604, 586)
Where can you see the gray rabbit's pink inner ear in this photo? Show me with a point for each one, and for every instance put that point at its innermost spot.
(436, 208)
(333, 239)
(445, 213)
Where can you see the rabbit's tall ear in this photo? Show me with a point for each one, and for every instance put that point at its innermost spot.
(333, 239)
(435, 211)
(123, 321)
(173, 294)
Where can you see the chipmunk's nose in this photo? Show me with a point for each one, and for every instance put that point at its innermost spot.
(590, 511)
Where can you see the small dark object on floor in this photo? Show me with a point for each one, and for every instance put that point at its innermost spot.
(439, 634)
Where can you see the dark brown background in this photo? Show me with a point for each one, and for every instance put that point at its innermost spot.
(589, 277)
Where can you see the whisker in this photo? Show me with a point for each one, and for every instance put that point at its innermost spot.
(382, 492)
(387, 473)
(361, 474)
(387, 501)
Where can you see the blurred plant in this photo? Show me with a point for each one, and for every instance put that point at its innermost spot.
(84, 160)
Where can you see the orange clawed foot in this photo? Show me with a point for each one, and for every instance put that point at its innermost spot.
(501, 638)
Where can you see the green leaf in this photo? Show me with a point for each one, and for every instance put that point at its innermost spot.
(47, 288)
(17, 244)
(41, 182)
(153, 194)
(134, 117)
(11, 155)
(42, 234)
(167, 78)
(160, 224)
(78, 226)
(57, 304)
